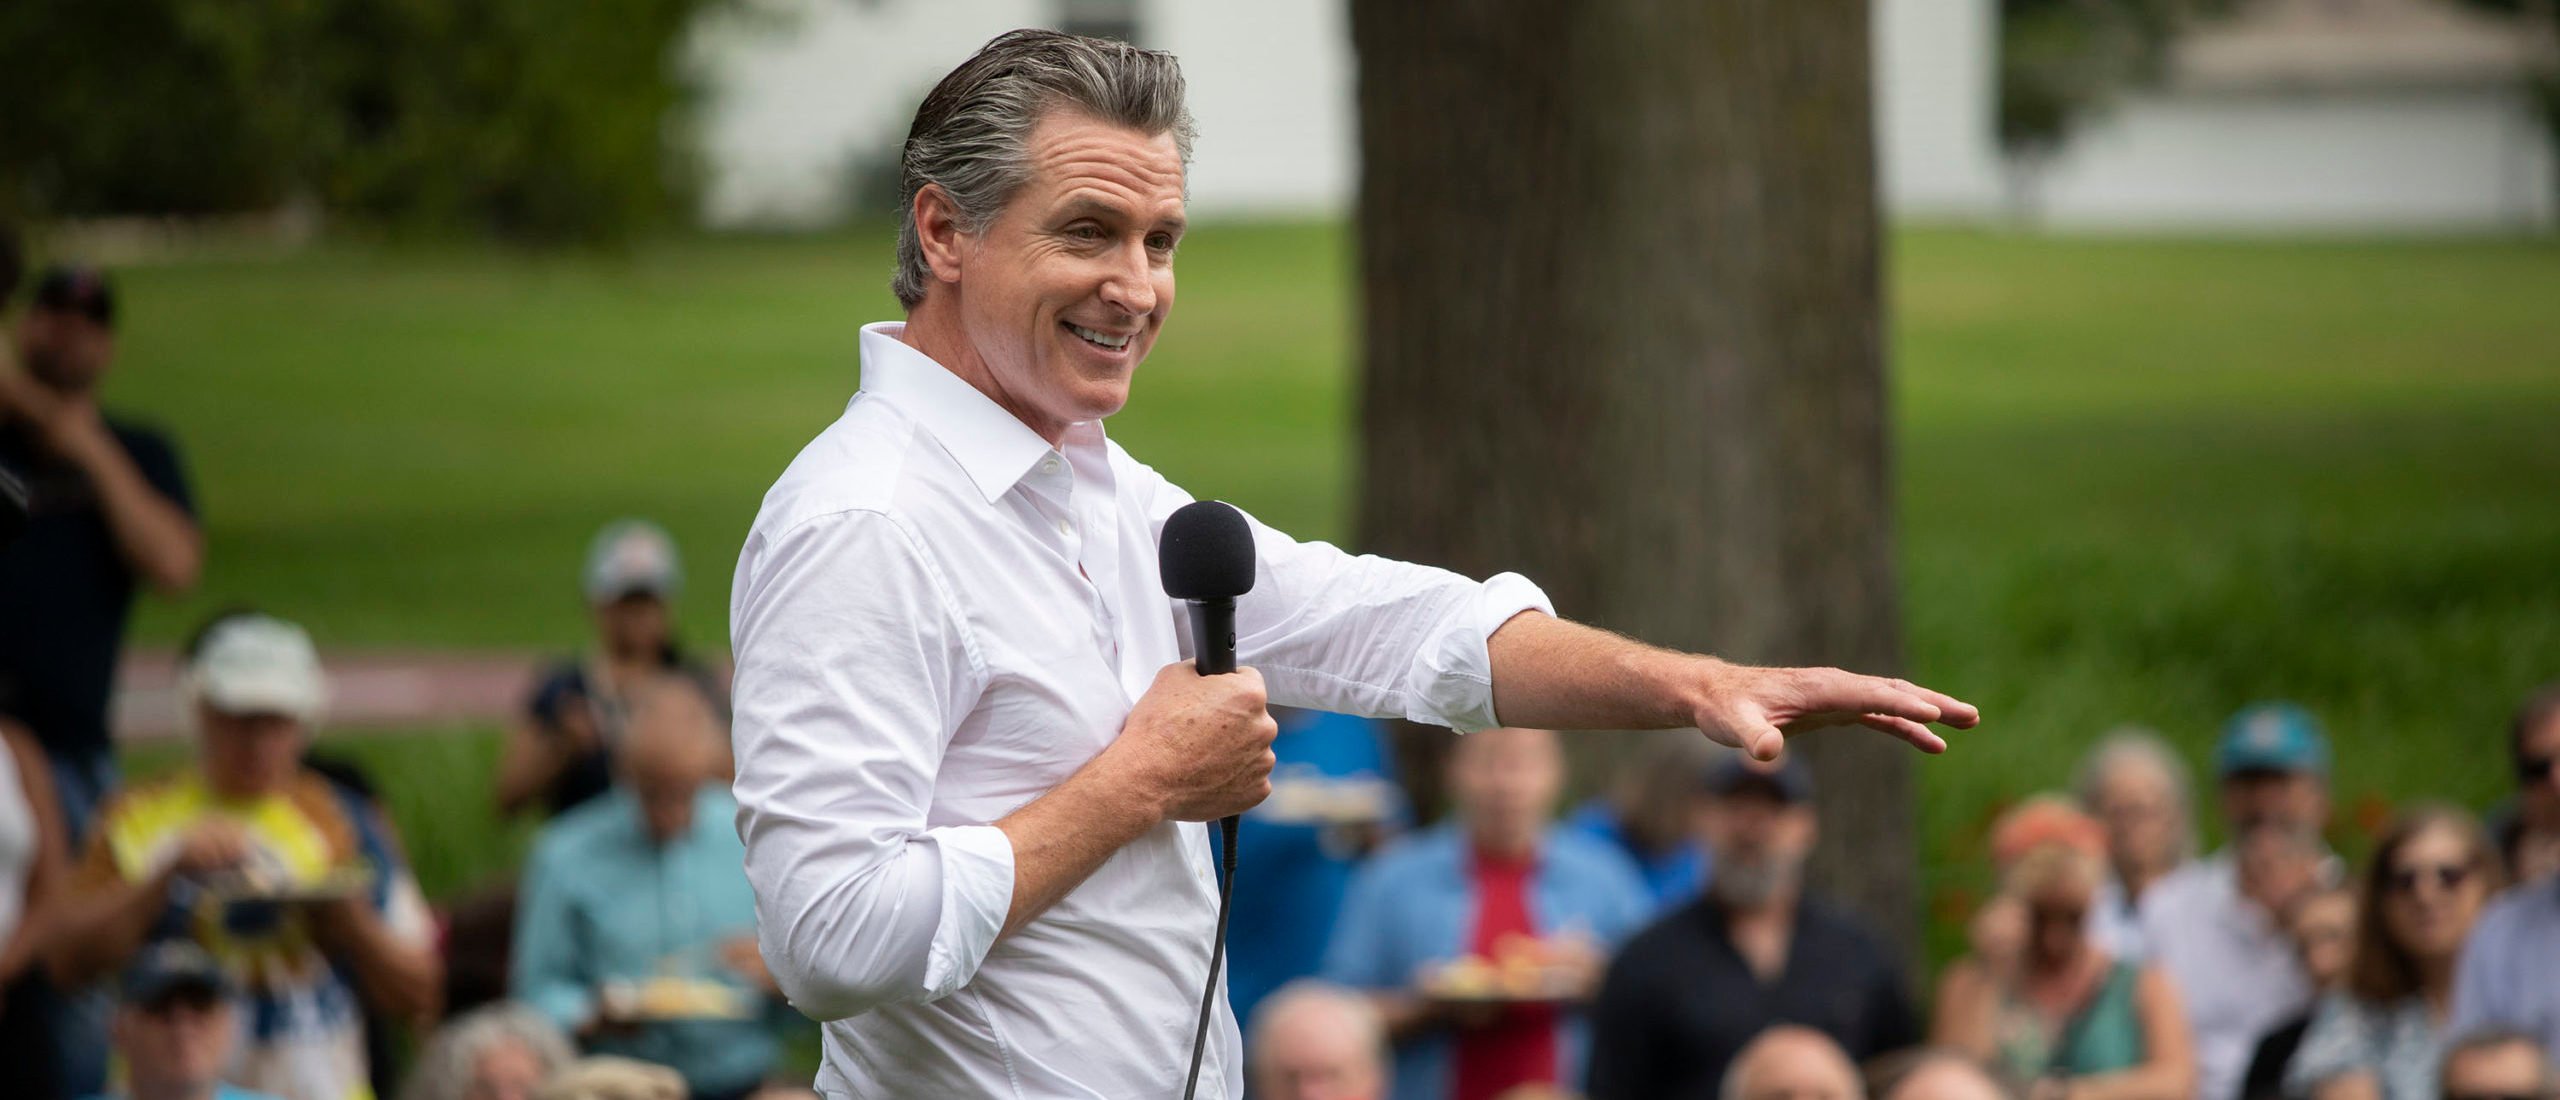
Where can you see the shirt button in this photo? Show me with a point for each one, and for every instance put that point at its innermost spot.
(1066, 527)
(1049, 465)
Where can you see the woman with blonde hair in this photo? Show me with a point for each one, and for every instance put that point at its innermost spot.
(2382, 1037)
(2040, 999)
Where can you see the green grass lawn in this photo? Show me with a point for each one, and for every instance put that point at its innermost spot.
(2141, 480)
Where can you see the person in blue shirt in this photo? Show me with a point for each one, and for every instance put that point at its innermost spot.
(1480, 938)
(176, 1026)
(637, 929)
(1646, 815)
(1333, 801)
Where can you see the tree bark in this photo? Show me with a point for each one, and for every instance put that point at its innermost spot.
(1619, 275)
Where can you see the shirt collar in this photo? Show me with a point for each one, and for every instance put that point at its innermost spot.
(993, 447)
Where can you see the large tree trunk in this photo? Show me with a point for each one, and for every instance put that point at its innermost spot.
(1619, 277)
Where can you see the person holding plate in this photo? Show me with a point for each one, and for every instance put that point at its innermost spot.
(1478, 938)
(636, 933)
(252, 856)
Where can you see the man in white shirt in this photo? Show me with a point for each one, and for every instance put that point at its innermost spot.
(2217, 925)
(967, 742)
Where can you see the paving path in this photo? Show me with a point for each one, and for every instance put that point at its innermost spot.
(369, 690)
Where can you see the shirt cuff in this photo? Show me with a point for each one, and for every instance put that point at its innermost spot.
(977, 893)
(1453, 670)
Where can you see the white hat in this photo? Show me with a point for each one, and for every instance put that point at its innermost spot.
(254, 664)
(632, 556)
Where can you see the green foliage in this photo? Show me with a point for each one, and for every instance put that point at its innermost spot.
(2061, 59)
(530, 120)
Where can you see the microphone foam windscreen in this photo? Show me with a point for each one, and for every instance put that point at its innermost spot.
(1206, 552)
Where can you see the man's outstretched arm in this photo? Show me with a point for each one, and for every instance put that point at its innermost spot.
(1555, 674)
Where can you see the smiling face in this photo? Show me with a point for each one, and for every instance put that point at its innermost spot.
(2433, 887)
(1063, 293)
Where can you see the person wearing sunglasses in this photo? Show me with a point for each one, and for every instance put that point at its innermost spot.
(2042, 1000)
(2528, 828)
(2498, 1065)
(2383, 1036)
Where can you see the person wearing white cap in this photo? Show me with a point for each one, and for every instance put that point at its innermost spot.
(560, 754)
(254, 858)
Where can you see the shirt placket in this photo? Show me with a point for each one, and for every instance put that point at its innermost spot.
(1054, 489)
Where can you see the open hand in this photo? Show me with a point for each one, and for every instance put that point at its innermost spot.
(1757, 709)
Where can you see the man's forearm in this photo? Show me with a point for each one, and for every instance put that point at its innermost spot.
(100, 930)
(1554, 674)
(1062, 837)
(156, 537)
(1561, 675)
(400, 979)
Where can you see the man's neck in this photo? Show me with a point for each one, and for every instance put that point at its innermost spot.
(1503, 847)
(1763, 934)
(934, 329)
(167, 1091)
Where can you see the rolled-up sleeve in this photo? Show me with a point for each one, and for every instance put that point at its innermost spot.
(1362, 634)
(854, 668)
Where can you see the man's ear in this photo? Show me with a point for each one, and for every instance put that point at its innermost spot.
(938, 231)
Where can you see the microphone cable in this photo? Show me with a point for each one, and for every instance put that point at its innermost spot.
(1217, 949)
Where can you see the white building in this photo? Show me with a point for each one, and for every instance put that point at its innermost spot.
(2293, 114)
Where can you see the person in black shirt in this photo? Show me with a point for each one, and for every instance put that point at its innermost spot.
(108, 506)
(561, 754)
(1687, 994)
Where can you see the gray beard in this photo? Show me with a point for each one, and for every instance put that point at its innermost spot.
(1743, 885)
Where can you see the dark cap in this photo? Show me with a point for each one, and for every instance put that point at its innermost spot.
(1786, 779)
(169, 967)
(77, 289)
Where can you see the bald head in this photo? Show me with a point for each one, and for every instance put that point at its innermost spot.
(1792, 1063)
(1945, 1076)
(671, 748)
(2497, 1064)
(1313, 1041)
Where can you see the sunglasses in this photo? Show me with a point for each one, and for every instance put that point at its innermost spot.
(2535, 769)
(2446, 876)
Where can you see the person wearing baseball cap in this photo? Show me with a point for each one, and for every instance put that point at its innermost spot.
(176, 1026)
(255, 859)
(560, 754)
(1686, 995)
(108, 510)
(2217, 925)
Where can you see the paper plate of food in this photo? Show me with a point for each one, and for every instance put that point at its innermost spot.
(668, 998)
(1307, 799)
(274, 885)
(1522, 971)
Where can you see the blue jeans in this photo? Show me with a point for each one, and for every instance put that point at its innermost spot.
(81, 785)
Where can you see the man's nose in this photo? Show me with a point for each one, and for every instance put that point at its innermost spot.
(1130, 286)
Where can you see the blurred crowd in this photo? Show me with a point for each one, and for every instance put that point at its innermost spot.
(247, 925)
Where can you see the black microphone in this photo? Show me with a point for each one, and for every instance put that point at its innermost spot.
(1206, 558)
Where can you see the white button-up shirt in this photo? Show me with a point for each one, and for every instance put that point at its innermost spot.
(937, 618)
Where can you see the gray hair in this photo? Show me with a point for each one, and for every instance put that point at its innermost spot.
(971, 134)
(2136, 745)
(453, 1053)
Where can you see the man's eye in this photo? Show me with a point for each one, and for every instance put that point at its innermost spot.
(1161, 242)
(1086, 232)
